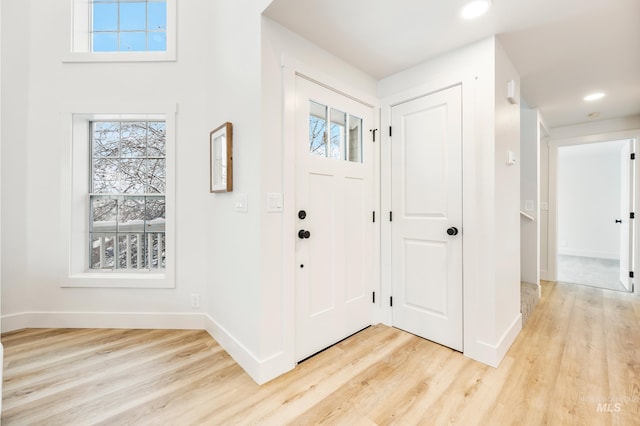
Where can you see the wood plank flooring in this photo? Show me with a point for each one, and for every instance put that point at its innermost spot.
(577, 361)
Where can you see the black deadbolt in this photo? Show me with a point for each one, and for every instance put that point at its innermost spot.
(302, 214)
(302, 234)
(452, 231)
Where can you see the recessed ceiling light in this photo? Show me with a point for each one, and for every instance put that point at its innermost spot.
(594, 97)
(475, 9)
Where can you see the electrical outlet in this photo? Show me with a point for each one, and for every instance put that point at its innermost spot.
(195, 301)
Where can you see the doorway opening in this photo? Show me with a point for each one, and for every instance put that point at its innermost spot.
(595, 214)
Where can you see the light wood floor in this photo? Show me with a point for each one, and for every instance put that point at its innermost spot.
(579, 351)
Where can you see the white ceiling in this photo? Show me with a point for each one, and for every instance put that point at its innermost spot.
(563, 49)
(598, 150)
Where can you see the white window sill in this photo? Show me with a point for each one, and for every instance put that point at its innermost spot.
(81, 57)
(116, 279)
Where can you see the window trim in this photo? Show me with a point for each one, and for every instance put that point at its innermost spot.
(80, 44)
(74, 223)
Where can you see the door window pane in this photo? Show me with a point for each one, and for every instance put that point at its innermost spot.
(338, 134)
(318, 129)
(354, 148)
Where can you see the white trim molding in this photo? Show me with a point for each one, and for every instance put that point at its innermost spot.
(130, 320)
(493, 354)
(74, 173)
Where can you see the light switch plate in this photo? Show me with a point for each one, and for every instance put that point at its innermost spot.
(274, 202)
(242, 204)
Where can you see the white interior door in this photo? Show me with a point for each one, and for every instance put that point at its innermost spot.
(426, 226)
(626, 225)
(334, 205)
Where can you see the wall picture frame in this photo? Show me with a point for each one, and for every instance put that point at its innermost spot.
(221, 158)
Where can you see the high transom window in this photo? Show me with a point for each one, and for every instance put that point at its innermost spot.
(127, 199)
(128, 25)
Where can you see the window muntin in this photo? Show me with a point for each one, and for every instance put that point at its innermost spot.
(127, 201)
(343, 134)
(128, 25)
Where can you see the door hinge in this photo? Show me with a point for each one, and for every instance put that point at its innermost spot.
(374, 216)
(633, 155)
(632, 215)
(630, 274)
(390, 300)
(373, 132)
(374, 297)
(389, 131)
(390, 216)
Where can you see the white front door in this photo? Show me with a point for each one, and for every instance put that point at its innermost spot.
(334, 206)
(426, 227)
(626, 224)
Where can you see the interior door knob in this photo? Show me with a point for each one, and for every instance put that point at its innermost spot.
(452, 231)
(302, 234)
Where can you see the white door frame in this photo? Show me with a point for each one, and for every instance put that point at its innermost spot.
(467, 79)
(554, 145)
(290, 69)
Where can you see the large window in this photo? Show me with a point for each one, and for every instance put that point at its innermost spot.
(128, 25)
(127, 201)
(118, 190)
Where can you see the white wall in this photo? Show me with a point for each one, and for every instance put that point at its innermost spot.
(233, 91)
(36, 86)
(589, 200)
(491, 271)
(507, 201)
(544, 209)
(529, 194)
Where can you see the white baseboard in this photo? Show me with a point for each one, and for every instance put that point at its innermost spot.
(146, 320)
(493, 354)
(261, 371)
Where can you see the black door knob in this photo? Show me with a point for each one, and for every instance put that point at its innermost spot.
(302, 234)
(452, 231)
